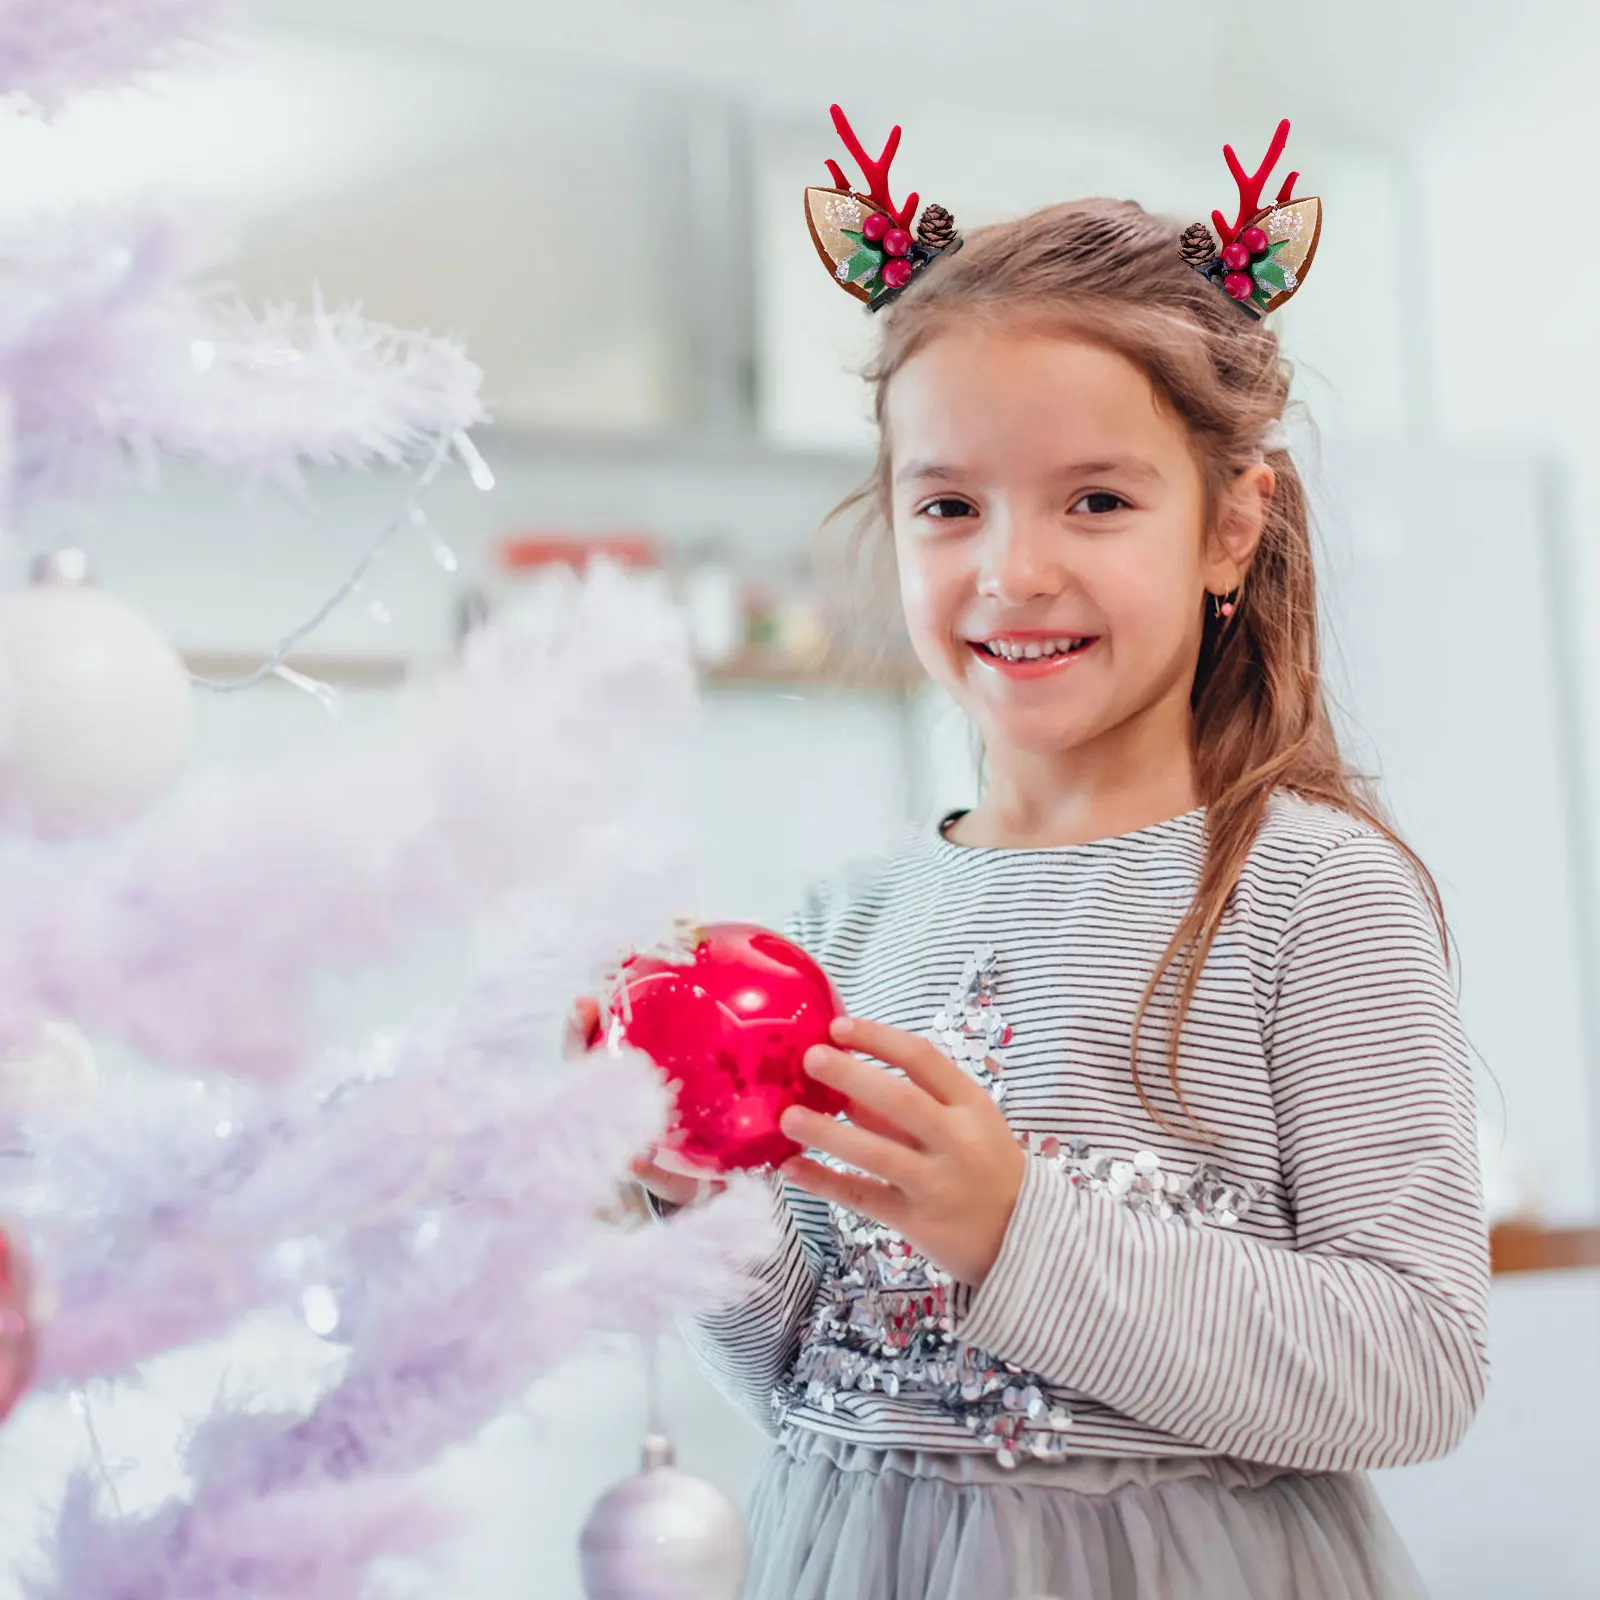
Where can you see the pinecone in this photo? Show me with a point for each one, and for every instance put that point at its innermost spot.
(1197, 245)
(935, 228)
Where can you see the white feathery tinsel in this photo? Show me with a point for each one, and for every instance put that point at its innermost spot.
(51, 51)
(108, 349)
(195, 937)
(452, 1193)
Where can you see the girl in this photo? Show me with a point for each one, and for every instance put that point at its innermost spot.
(1155, 1217)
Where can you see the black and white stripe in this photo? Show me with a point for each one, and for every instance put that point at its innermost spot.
(1341, 1324)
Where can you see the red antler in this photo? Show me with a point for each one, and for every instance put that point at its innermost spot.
(1250, 186)
(875, 172)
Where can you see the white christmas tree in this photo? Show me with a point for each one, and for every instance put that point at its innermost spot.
(439, 1206)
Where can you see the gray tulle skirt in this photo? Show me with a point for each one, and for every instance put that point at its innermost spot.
(839, 1522)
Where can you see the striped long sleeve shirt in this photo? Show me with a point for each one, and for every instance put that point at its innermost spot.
(1302, 1284)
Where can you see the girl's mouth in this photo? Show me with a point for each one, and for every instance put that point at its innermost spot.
(1032, 657)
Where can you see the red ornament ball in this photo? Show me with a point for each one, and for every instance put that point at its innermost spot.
(728, 1026)
(896, 242)
(1236, 256)
(1255, 241)
(875, 226)
(16, 1327)
(896, 274)
(1240, 285)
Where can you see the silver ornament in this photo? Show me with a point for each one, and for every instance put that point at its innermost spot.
(663, 1535)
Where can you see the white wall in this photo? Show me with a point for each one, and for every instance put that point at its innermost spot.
(1473, 748)
(1512, 360)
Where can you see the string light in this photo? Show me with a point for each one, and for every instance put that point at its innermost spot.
(376, 609)
(477, 467)
(320, 1309)
(442, 553)
(274, 664)
(97, 1455)
(315, 687)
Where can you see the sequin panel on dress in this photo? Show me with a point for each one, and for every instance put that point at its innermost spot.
(885, 1316)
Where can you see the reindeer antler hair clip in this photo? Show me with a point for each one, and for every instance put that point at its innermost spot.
(1266, 251)
(864, 239)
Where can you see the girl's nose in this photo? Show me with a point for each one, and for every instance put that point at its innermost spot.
(1021, 560)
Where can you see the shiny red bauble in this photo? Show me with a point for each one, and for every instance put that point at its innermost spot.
(896, 242)
(875, 226)
(16, 1329)
(1255, 241)
(1236, 256)
(1240, 285)
(896, 274)
(728, 1026)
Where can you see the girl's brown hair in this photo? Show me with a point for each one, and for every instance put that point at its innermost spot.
(1110, 273)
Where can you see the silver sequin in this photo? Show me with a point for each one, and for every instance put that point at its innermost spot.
(885, 1316)
(969, 1026)
(1199, 1197)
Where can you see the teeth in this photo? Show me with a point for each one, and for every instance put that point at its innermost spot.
(1033, 649)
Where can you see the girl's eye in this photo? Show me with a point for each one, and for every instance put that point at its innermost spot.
(949, 506)
(1098, 502)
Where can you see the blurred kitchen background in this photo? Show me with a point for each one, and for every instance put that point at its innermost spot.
(603, 200)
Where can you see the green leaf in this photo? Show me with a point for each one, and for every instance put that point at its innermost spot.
(1271, 275)
(851, 233)
(1262, 298)
(1282, 244)
(862, 265)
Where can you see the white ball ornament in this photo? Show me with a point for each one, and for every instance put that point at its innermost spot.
(96, 710)
(663, 1535)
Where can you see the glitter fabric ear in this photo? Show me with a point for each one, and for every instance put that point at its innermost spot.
(1266, 251)
(865, 240)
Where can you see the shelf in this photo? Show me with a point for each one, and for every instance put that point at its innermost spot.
(1527, 1247)
(755, 669)
(338, 671)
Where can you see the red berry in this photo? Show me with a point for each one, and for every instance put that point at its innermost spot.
(875, 226)
(896, 274)
(1255, 241)
(1236, 256)
(896, 242)
(1240, 285)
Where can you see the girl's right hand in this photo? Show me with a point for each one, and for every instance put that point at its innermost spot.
(671, 1188)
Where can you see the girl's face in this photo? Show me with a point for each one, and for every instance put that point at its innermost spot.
(1050, 527)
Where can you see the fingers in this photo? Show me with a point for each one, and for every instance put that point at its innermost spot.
(676, 1188)
(882, 1097)
(583, 1027)
(864, 1118)
(881, 1201)
(883, 1158)
(928, 1067)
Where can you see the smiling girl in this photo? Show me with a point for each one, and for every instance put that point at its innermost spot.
(1155, 1216)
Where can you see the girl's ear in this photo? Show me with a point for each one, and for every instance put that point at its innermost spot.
(1241, 520)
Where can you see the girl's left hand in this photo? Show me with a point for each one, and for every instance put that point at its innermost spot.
(941, 1166)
